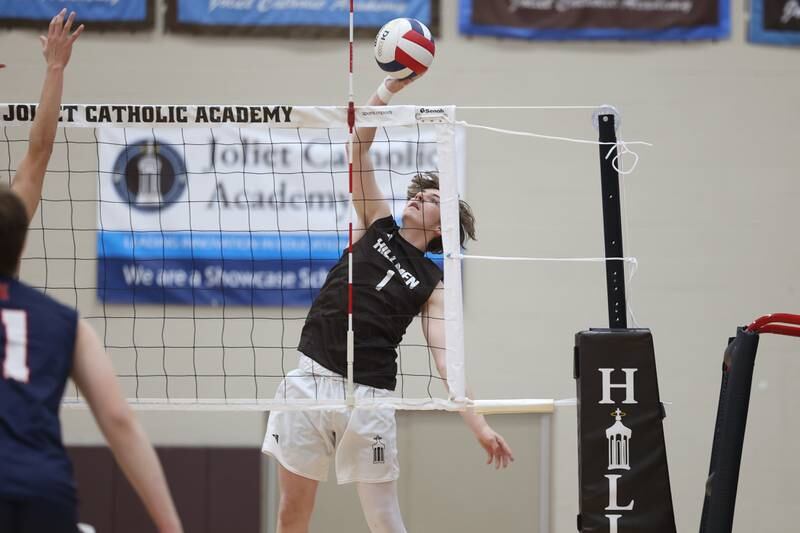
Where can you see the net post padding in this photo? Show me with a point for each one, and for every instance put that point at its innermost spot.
(729, 431)
(622, 471)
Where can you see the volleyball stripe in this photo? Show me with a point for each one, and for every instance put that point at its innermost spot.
(392, 66)
(419, 39)
(409, 61)
(420, 54)
(416, 26)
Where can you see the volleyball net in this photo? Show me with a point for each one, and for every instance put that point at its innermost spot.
(194, 238)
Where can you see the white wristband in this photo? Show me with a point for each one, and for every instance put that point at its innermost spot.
(384, 94)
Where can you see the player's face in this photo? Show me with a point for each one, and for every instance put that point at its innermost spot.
(422, 212)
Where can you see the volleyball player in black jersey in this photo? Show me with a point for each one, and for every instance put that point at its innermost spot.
(393, 282)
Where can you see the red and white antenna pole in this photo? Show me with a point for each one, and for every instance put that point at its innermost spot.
(351, 120)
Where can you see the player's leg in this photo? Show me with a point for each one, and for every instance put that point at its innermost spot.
(381, 507)
(297, 501)
(367, 450)
(367, 455)
(300, 442)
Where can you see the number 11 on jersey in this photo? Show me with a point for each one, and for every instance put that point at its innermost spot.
(15, 366)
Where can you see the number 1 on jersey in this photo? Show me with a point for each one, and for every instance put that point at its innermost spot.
(384, 281)
(16, 350)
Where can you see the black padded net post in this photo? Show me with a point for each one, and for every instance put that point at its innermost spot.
(729, 430)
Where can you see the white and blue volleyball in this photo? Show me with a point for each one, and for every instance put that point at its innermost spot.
(404, 48)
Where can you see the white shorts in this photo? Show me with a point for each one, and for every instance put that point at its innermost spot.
(363, 441)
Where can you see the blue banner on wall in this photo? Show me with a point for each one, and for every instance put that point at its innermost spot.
(267, 16)
(644, 20)
(213, 282)
(775, 21)
(103, 11)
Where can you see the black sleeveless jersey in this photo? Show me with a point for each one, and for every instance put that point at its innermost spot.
(392, 280)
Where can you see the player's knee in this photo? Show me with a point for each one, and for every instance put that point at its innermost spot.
(294, 510)
(385, 521)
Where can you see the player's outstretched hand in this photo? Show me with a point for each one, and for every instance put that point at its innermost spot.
(499, 452)
(395, 85)
(57, 46)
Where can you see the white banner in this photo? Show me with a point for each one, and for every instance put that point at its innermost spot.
(185, 214)
(205, 116)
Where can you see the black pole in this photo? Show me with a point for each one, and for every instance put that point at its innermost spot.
(729, 431)
(612, 222)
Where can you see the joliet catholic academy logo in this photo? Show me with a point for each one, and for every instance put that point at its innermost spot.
(149, 175)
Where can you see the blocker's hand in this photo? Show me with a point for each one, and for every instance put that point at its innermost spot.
(57, 46)
(499, 452)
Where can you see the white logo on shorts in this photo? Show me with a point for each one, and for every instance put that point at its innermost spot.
(378, 456)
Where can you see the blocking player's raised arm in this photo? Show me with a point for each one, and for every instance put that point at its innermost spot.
(57, 50)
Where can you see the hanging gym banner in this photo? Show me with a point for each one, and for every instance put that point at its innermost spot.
(775, 22)
(316, 18)
(644, 20)
(101, 14)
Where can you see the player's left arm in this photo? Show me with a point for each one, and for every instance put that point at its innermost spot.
(57, 49)
(94, 375)
(433, 328)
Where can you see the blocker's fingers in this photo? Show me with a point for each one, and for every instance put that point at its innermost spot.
(58, 27)
(52, 28)
(68, 25)
(74, 36)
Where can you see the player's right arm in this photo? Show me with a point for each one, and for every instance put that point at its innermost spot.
(433, 326)
(94, 375)
(57, 49)
(368, 200)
